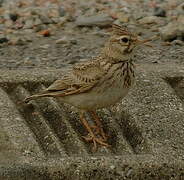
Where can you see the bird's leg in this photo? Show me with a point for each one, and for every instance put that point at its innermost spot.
(98, 125)
(92, 137)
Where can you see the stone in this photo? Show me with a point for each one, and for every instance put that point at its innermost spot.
(73, 41)
(29, 23)
(95, 20)
(173, 30)
(181, 19)
(63, 40)
(8, 24)
(169, 32)
(53, 12)
(62, 11)
(45, 19)
(180, 32)
(158, 11)
(62, 20)
(180, 9)
(37, 21)
(55, 20)
(17, 41)
(178, 42)
(13, 16)
(45, 46)
(100, 34)
(182, 5)
(39, 27)
(149, 20)
(45, 33)
(1, 27)
(1, 2)
(27, 31)
(3, 39)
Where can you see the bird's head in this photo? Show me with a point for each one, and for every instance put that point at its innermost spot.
(122, 43)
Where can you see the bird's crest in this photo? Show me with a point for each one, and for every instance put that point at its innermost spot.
(119, 30)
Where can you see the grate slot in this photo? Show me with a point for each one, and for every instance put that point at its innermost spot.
(58, 120)
(45, 136)
(16, 128)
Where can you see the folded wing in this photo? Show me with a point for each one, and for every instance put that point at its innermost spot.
(80, 79)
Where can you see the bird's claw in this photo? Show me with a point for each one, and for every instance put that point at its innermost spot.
(99, 131)
(96, 141)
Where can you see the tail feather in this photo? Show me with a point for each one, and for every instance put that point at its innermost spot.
(42, 94)
(26, 100)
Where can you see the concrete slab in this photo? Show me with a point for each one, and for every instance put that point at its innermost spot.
(43, 140)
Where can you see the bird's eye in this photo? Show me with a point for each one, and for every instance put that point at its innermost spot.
(124, 39)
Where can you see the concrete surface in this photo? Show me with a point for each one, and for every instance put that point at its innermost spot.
(43, 140)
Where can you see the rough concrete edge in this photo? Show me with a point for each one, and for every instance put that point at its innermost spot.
(118, 167)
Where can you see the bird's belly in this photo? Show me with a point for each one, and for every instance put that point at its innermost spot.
(94, 100)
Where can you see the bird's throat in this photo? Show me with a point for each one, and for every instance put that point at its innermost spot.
(115, 55)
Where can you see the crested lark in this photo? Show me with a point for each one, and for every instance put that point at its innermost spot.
(98, 83)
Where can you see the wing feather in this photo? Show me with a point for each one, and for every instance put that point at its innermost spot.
(80, 79)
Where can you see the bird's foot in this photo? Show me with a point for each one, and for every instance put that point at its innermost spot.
(100, 131)
(96, 140)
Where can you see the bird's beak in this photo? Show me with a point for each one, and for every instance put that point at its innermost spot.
(145, 42)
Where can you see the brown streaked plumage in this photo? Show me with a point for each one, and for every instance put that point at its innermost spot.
(98, 83)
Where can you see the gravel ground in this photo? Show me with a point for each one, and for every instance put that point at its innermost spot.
(53, 34)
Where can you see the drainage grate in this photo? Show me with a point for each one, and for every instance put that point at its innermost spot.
(146, 128)
(58, 131)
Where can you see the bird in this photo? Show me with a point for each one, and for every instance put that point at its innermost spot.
(99, 82)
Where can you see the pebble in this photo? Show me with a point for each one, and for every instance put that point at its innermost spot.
(1, 27)
(73, 41)
(61, 20)
(1, 2)
(29, 23)
(55, 20)
(63, 40)
(39, 27)
(37, 22)
(158, 11)
(173, 30)
(45, 33)
(13, 16)
(181, 18)
(95, 20)
(8, 23)
(17, 41)
(178, 42)
(45, 19)
(45, 46)
(62, 11)
(100, 34)
(112, 167)
(180, 9)
(149, 20)
(3, 40)
(24, 31)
